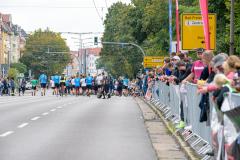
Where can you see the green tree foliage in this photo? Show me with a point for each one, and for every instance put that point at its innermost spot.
(146, 23)
(19, 66)
(36, 58)
(12, 72)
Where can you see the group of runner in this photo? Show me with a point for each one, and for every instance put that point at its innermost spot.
(101, 85)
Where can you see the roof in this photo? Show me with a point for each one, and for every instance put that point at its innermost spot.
(24, 33)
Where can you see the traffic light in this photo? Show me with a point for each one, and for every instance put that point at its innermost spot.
(95, 40)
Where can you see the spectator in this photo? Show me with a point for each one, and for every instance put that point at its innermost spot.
(217, 68)
(207, 57)
(185, 60)
(197, 67)
(186, 55)
(186, 70)
(23, 86)
(12, 84)
(173, 54)
(181, 56)
(5, 86)
(221, 80)
(166, 61)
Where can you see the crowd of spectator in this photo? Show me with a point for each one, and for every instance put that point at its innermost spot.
(218, 74)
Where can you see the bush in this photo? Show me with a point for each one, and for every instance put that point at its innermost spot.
(12, 72)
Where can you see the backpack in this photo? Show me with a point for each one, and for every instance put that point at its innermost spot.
(62, 77)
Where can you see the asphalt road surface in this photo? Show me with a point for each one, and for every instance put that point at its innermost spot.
(72, 128)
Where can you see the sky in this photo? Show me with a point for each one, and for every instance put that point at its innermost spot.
(77, 16)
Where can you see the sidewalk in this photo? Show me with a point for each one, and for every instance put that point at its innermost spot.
(165, 146)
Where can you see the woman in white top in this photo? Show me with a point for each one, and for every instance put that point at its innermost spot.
(53, 86)
(83, 84)
(73, 85)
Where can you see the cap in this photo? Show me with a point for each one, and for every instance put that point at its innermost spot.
(218, 60)
(200, 49)
(176, 57)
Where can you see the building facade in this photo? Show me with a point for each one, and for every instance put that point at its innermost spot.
(12, 41)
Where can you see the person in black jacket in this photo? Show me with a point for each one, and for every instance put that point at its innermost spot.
(185, 69)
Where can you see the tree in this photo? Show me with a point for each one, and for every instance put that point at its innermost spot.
(19, 66)
(12, 72)
(36, 58)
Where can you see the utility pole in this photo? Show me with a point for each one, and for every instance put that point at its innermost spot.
(85, 59)
(232, 29)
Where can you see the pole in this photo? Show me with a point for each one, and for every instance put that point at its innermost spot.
(1, 55)
(170, 26)
(232, 29)
(177, 23)
(85, 59)
(125, 44)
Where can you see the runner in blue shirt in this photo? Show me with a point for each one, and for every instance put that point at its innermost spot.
(89, 80)
(43, 79)
(56, 79)
(77, 84)
(68, 85)
(125, 86)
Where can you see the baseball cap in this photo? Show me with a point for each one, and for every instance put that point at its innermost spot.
(218, 60)
(200, 49)
(176, 57)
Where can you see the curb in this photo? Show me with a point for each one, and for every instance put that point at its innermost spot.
(184, 146)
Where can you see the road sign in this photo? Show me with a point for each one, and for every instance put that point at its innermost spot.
(153, 61)
(150, 65)
(193, 33)
(20, 75)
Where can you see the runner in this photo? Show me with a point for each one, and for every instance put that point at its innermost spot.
(62, 84)
(89, 81)
(95, 85)
(125, 86)
(53, 86)
(68, 86)
(103, 85)
(77, 84)
(119, 87)
(43, 79)
(56, 79)
(34, 83)
(83, 85)
(73, 85)
(99, 82)
(108, 83)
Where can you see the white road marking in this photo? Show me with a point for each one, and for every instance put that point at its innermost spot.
(35, 118)
(69, 103)
(59, 107)
(64, 105)
(6, 134)
(77, 101)
(22, 125)
(53, 110)
(73, 102)
(45, 113)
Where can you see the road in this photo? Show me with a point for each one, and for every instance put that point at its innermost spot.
(72, 128)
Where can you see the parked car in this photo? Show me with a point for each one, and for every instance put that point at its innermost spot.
(28, 86)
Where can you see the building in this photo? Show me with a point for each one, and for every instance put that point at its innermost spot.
(12, 41)
(87, 62)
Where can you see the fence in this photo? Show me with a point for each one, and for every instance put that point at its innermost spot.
(168, 99)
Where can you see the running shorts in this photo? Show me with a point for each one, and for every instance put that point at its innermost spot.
(125, 87)
(43, 85)
(57, 85)
(89, 86)
(34, 87)
(99, 86)
(62, 84)
(53, 87)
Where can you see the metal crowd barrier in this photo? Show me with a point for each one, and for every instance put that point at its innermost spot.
(168, 101)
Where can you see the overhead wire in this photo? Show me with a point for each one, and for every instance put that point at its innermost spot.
(97, 10)
(48, 7)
